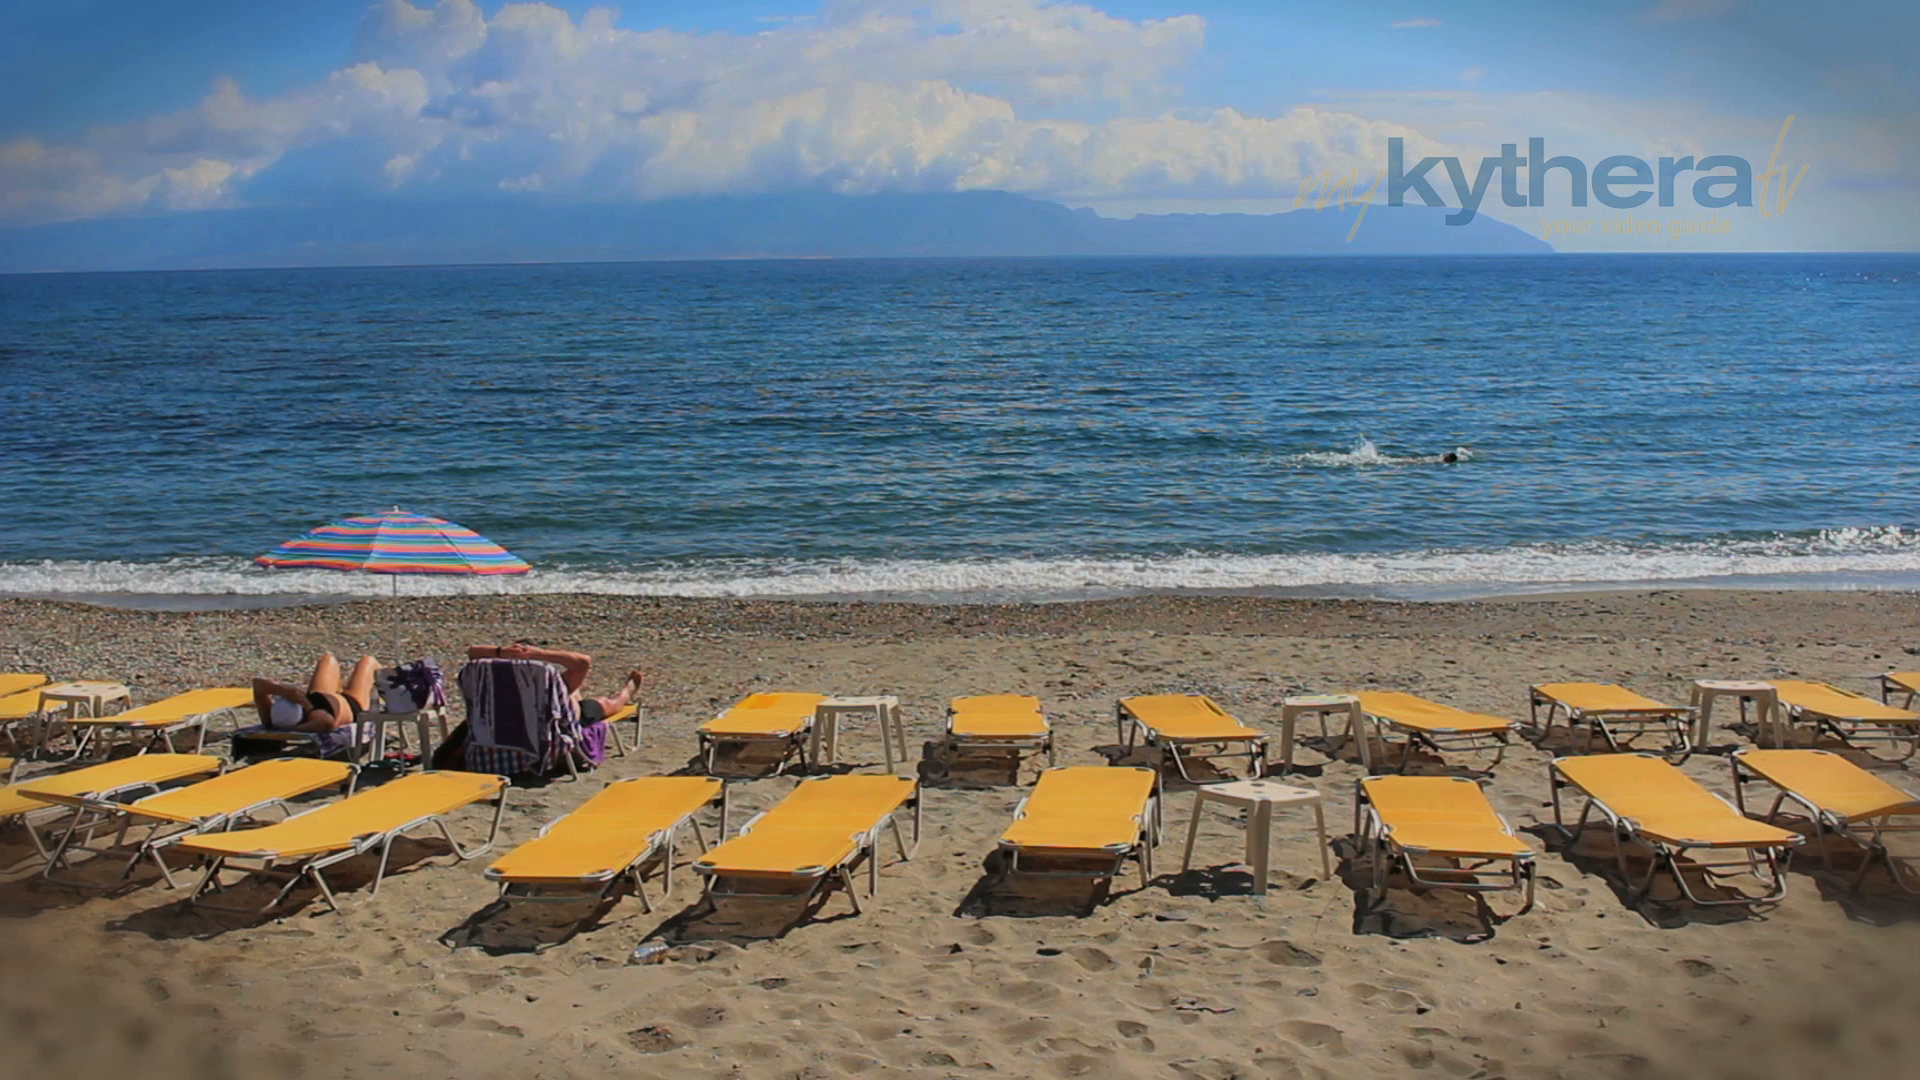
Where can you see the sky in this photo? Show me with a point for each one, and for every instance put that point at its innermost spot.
(118, 108)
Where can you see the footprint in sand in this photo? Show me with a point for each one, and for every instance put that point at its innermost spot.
(654, 1039)
(1287, 954)
(980, 935)
(1319, 1036)
(1090, 958)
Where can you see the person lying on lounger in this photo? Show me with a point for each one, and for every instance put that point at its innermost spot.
(324, 705)
(573, 670)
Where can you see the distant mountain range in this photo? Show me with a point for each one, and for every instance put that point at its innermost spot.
(400, 232)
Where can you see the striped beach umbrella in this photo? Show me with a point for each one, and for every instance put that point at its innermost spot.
(394, 542)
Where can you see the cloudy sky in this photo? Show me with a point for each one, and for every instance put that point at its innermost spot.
(115, 107)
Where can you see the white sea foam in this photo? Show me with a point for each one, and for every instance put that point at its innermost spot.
(1881, 557)
(1364, 454)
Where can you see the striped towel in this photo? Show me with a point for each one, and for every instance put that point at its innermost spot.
(522, 718)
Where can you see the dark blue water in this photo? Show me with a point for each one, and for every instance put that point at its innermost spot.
(979, 427)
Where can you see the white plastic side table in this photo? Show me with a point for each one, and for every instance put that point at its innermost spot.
(883, 708)
(1260, 797)
(1295, 707)
(1767, 718)
(96, 696)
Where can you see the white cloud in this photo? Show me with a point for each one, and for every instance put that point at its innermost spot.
(1414, 24)
(868, 95)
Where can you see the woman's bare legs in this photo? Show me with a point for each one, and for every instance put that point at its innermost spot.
(326, 675)
(360, 682)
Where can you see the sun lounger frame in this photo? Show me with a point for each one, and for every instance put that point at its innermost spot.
(1618, 727)
(1871, 840)
(1132, 731)
(312, 866)
(1852, 731)
(1384, 854)
(58, 811)
(865, 847)
(1140, 849)
(794, 747)
(663, 843)
(1439, 740)
(1019, 745)
(1666, 856)
(91, 813)
(110, 728)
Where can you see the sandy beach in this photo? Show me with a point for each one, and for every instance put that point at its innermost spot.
(1188, 977)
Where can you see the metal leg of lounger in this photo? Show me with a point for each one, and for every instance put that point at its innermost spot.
(846, 882)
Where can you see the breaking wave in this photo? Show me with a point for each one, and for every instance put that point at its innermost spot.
(1865, 557)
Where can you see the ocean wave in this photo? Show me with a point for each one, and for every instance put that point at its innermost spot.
(1878, 556)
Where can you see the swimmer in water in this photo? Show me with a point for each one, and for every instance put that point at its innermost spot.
(1456, 455)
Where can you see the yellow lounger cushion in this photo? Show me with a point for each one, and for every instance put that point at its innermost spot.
(336, 826)
(1825, 700)
(997, 716)
(766, 714)
(24, 704)
(1602, 698)
(813, 829)
(111, 776)
(1908, 681)
(256, 784)
(1445, 815)
(608, 832)
(1830, 782)
(789, 851)
(1413, 711)
(1186, 716)
(13, 682)
(175, 709)
(855, 802)
(1083, 809)
(1666, 804)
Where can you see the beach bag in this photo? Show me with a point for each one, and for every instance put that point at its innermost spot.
(411, 687)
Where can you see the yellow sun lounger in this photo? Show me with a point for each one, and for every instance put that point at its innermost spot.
(1838, 797)
(41, 798)
(1615, 713)
(1399, 818)
(1647, 799)
(160, 721)
(815, 836)
(1438, 727)
(309, 843)
(1012, 722)
(1179, 725)
(610, 838)
(1904, 683)
(1852, 718)
(782, 720)
(171, 816)
(1088, 820)
(14, 682)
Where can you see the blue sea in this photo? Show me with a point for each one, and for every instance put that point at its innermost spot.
(987, 430)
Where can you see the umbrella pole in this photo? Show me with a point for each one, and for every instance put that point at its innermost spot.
(396, 620)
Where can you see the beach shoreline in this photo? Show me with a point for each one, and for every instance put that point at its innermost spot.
(1187, 977)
